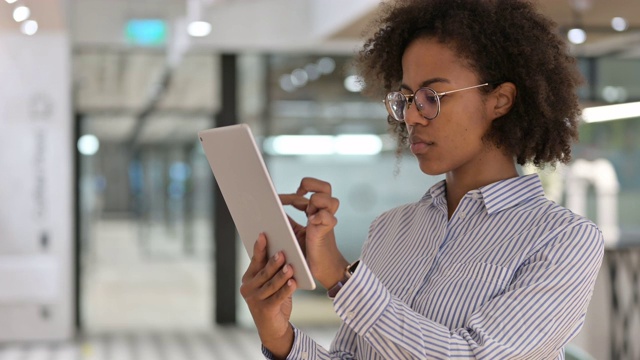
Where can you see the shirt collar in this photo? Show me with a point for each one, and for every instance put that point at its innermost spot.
(508, 193)
(497, 196)
(436, 194)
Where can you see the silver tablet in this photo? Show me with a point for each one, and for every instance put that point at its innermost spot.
(252, 200)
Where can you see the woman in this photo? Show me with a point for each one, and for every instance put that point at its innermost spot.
(483, 266)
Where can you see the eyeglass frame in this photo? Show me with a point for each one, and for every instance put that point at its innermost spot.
(409, 98)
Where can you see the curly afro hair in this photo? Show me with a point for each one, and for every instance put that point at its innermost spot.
(506, 40)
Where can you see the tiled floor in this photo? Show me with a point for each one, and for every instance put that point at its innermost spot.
(221, 343)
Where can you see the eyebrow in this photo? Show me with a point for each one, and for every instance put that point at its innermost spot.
(426, 83)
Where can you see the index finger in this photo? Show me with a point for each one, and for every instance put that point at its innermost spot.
(297, 201)
(309, 184)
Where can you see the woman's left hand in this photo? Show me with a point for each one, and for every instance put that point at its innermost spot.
(317, 238)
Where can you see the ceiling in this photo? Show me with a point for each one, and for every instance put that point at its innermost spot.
(50, 14)
(115, 80)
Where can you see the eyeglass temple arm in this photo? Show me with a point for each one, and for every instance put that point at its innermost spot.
(467, 88)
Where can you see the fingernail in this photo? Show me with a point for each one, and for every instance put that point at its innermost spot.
(289, 282)
(276, 256)
(285, 269)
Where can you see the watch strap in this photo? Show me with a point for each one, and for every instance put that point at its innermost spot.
(348, 272)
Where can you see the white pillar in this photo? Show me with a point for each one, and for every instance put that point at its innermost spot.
(601, 174)
(594, 336)
(36, 197)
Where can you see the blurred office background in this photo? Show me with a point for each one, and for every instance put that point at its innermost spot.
(114, 243)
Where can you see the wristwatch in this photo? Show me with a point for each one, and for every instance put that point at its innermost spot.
(348, 272)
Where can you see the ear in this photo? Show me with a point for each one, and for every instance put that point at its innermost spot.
(503, 97)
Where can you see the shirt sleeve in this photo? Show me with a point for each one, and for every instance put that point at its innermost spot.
(542, 309)
(305, 348)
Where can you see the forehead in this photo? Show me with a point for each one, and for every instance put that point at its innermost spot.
(427, 58)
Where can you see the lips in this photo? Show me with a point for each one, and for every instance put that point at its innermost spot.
(419, 144)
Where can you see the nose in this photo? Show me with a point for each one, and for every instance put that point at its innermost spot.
(412, 117)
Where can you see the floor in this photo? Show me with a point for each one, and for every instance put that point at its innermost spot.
(220, 343)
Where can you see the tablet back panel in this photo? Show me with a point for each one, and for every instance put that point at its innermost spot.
(247, 189)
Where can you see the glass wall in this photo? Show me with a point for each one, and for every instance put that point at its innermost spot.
(145, 190)
(613, 81)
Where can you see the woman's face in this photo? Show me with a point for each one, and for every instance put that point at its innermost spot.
(453, 140)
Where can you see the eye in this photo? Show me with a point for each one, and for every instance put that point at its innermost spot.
(426, 97)
(431, 99)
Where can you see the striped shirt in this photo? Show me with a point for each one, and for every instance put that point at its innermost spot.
(509, 276)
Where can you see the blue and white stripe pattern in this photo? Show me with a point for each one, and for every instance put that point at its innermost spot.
(509, 276)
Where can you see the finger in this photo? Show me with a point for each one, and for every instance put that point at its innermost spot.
(321, 219)
(319, 201)
(253, 287)
(308, 185)
(274, 264)
(258, 258)
(284, 292)
(297, 201)
(276, 282)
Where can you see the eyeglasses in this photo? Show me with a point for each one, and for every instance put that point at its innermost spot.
(426, 99)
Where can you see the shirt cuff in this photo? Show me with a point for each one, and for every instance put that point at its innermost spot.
(362, 300)
(303, 347)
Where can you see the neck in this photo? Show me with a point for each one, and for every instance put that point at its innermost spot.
(464, 179)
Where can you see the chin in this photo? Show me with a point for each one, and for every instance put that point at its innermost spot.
(431, 168)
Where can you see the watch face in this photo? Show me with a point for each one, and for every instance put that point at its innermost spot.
(352, 268)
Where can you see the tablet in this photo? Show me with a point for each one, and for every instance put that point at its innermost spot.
(247, 189)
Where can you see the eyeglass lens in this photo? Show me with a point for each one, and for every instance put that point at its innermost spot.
(425, 99)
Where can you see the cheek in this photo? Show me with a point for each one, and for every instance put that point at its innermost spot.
(465, 122)
(464, 135)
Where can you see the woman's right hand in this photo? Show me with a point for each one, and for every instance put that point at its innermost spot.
(317, 239)
(267, 287)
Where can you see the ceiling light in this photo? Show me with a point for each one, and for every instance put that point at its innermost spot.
(21, 13)
(326, 65)
(360, 144)
(29, 27)
(300, 145)
(353, 83)
(286, 84)
(199, 28)
(88, 145)
(10, 1)
(577, 36)
(619, 24)
(611, 112)
(614, 94)
(353, 144)
(312, 71)
(299, 77)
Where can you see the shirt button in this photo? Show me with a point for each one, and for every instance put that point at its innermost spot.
(350, 315)
(462, 215)
(475, 196)
(305, 356)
